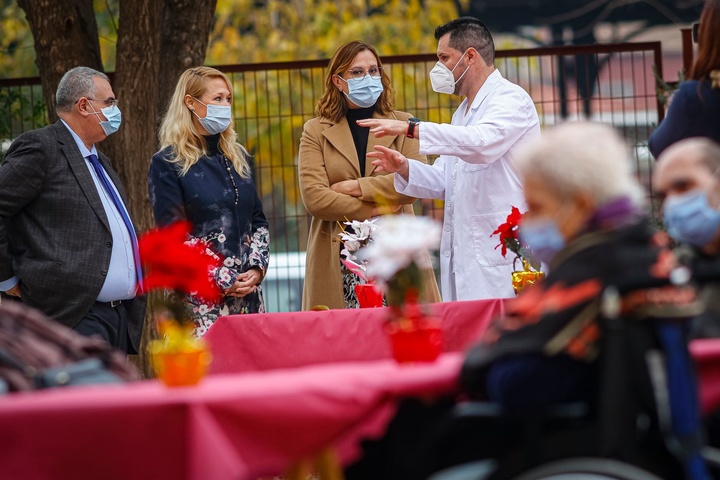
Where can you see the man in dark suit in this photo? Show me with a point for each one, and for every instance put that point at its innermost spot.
(67, 245)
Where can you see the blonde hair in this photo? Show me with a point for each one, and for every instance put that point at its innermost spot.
(333, 104)
(179, 132)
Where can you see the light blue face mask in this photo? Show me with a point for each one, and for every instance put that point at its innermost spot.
(364, 92)
(691, 219)
(114, 118)
(542, 237)
(217, 119)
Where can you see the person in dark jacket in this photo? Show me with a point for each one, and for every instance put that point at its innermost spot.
(695, 107)
(202, 175)
(586, 222)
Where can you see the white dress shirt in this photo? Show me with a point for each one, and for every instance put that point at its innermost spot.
(475, 177)
(121, 280)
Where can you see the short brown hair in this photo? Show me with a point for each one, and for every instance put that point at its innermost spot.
(333, 104)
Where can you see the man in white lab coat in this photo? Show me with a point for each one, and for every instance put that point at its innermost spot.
(474, 174)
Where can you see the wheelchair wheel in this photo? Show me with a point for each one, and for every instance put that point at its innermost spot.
(587, 469)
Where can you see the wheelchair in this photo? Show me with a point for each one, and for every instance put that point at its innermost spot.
(643, 423)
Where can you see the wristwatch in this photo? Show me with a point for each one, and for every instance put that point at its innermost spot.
(412, 124)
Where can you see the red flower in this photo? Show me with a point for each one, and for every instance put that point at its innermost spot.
(508, 233)
(172, 263)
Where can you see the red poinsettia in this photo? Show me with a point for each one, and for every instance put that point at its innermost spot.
(509, 239)
(508, 233)
(172, 263)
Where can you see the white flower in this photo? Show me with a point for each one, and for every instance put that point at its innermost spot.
(364, 230)
(221, 238)
(356, 237)
(229, 262)
(203, 309)
(401, 240)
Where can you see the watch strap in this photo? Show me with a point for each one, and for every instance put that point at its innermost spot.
(412, 126)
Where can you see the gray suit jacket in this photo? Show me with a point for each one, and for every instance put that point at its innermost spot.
(54, 234)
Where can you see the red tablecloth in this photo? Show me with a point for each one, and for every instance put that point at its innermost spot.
(242, 343)
(228, 427)
(706, 355)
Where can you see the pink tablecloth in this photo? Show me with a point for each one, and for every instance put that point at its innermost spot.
(242, 343)
(229, 427)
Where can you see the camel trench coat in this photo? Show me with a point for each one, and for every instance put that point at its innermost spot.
(327, 156)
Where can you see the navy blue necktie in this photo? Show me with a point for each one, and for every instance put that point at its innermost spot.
(100, 172)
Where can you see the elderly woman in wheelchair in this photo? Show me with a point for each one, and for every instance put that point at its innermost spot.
(587, 375)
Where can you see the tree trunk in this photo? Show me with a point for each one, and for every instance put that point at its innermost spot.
(137, 68)
(135, 84)
(66, 36)
(185, 36)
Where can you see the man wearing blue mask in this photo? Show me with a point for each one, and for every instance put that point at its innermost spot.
(686, 178)
(474, 174)
(67, 244)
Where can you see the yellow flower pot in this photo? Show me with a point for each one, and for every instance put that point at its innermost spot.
(179, 359)
(526, 277)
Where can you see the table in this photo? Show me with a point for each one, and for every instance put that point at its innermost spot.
(236, 427)
(245, 343)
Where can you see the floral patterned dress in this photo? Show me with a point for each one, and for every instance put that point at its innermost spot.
(227, 218)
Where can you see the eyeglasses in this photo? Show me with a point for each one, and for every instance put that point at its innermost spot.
(109, 102)
(358, 73)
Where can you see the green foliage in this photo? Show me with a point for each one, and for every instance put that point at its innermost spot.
(247, 32)
(665, 90)
(17, 56)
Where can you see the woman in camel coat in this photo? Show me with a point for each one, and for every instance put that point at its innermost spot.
(337, 183)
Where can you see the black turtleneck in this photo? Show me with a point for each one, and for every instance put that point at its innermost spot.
(212, 144)
(360, 134)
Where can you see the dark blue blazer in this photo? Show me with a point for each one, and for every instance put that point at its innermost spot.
(694, 112)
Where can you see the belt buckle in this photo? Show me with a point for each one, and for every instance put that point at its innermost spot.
(115, 303)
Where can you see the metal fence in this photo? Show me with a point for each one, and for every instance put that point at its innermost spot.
(610, 83)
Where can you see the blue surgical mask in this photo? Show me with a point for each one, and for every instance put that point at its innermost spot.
(217, 119)
(364, 92)
(690, 219)
(114, 118)
(542, 237)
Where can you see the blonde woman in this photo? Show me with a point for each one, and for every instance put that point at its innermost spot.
(201, 175)
(337, 183)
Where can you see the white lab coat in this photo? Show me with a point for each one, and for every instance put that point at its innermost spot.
(475, 178)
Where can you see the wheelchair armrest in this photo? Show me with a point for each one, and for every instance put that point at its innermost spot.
(711, 456)
(479, 470)
(565, 411)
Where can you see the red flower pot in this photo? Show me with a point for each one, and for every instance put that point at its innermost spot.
(368, 296)
(415, 341)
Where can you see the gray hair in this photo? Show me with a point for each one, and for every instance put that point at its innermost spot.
(586, 157)
(75, 84)
(702, 148)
